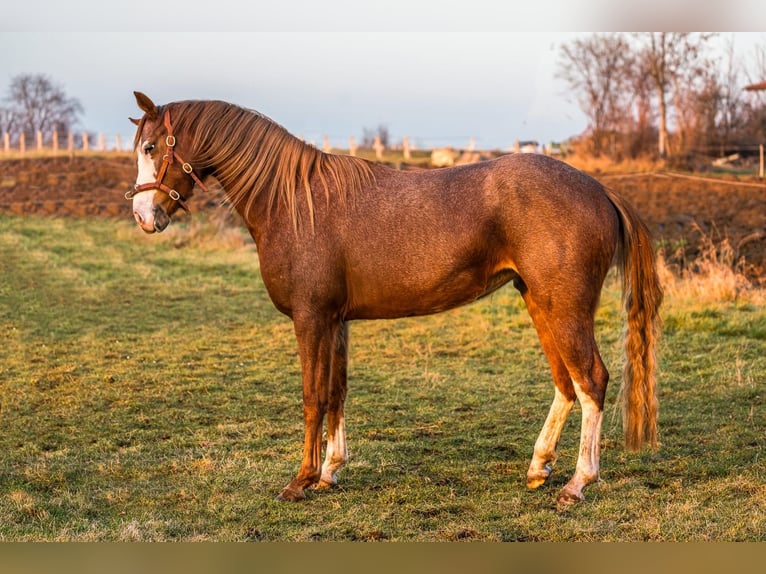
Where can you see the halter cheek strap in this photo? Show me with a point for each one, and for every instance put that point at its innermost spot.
(167, 160)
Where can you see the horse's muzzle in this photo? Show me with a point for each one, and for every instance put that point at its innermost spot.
(158, 222)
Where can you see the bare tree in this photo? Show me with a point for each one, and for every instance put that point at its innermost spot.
(369, 135)
(656, 58)
(755, 101)
(643, 88)
(642, 124)
(6, 120)
(595, 69)
(756, 72)
(673, 59)
(35, 104)
(730, 118)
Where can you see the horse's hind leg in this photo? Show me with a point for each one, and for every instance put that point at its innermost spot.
(590, 386)
(577, 346)
(544, 456)
(565, 328)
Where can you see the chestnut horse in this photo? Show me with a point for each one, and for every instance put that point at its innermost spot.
(340, 238)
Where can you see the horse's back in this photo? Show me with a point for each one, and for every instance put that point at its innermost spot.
(424, 242)
(542, 185)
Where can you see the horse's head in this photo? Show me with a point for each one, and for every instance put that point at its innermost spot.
(165, 181)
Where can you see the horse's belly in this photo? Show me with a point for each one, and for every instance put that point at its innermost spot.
(391, 299)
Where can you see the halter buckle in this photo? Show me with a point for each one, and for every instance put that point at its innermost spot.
(187, 167)
(174, 195)
(170, 141)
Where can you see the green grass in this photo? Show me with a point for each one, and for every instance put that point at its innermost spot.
(150, 391)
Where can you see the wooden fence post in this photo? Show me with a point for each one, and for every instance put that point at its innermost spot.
(55, 142)
(39, 138)
(117, 143)
(761, 171)
(7, 142)
(472, 144)
(22, 143)
(378, 146)
(70, 143)
(85, 141)
(406, 148)
(101, 142)
(326, 144)
(351, 146)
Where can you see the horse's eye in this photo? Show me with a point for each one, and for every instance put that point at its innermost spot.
(148, 149)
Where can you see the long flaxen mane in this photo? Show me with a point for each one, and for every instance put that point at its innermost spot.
(254, 156)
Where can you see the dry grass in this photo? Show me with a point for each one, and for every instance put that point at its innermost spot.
(716, 275)
(605, 165)
(151, 392)
(220, 229)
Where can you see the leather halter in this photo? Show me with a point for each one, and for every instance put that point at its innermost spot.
(167, 160)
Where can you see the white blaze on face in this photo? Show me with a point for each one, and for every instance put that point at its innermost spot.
(143, 202)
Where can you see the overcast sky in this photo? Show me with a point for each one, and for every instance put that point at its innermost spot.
(440, 72)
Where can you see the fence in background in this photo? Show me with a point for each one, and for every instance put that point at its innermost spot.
(39, 143)
(56, 143)
(725, 155)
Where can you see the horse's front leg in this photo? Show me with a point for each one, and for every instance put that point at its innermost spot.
(315, 336)
(337, 451)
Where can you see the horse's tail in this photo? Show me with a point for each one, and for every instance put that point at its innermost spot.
(642, 297)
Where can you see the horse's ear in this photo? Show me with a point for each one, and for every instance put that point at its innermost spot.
(146, 105)
(134, 121)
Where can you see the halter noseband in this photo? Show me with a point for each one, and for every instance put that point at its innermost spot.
(167, 160)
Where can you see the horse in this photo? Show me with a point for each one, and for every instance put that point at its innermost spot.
(342, 239)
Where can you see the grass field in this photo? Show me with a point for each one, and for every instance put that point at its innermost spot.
(150, 391)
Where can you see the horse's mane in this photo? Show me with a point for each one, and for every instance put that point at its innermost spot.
(254, 155)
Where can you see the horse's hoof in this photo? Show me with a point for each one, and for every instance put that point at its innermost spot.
(536, 481)
(569, 497)
(290, 495)
(537, 478)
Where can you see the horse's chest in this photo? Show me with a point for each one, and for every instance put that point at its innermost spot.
(296, 280)
(278, 279)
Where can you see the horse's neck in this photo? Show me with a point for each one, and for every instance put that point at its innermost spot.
(257, 216)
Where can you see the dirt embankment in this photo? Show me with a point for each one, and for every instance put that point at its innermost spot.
(678, 211)
(82, 186)
(684, 213)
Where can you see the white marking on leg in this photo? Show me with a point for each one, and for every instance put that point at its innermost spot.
(143, 202)
(587, 468)
(544, 456)
(337, 453)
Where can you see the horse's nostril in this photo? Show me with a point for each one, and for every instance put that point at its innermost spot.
(138, 217)
(161, 218)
